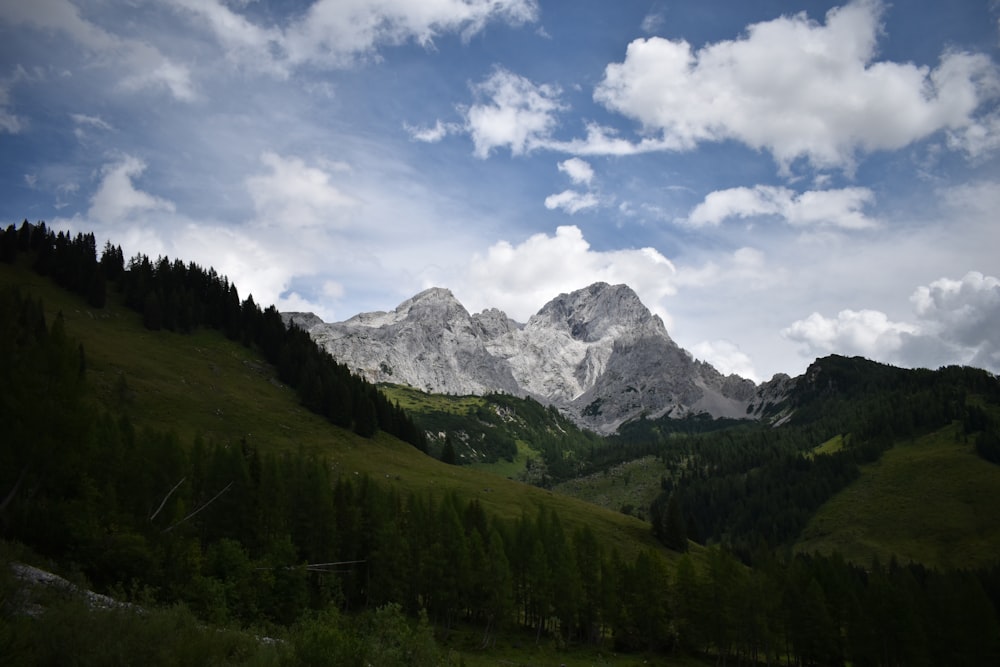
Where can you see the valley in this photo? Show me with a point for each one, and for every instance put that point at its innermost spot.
(206, 468)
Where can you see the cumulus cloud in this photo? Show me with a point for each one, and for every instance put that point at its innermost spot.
(726, 357)
(511, 112)
(294, 194)
(836, 208)
(798, 89)
(957, 322)
(965, 314)
(574, 201)
(117, 199)
(579, 171)
(519, 279)
(571, 201)
(979, 138)
(868, 333)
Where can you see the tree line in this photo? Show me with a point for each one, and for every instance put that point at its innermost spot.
(180, 298)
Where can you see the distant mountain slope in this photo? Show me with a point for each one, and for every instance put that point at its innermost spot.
(597, 353)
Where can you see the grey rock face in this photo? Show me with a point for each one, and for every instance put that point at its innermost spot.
(304, 321)
(597, 353)
(429, 342)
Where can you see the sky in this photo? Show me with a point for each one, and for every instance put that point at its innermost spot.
(777, 180)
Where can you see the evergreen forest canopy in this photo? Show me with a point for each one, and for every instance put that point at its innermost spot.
(246, 537)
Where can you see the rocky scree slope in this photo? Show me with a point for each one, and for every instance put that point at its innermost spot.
(597, 354)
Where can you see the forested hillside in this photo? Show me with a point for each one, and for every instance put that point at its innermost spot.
(181, 298)
(753, 486)
(488, 429)
(344, 561)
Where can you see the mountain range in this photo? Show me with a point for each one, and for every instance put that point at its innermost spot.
(598, 354)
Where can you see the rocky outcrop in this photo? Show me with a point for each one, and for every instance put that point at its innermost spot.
(597, 353)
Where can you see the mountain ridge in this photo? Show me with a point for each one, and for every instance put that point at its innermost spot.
(597, 353)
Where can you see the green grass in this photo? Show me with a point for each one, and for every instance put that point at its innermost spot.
(511, 469)
(831, 446)
(931, 500)
(205, 385)
(414, 400)
(633, 483)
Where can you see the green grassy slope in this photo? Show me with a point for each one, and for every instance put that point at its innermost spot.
(931, 500)
(632, 486)
(205, 385)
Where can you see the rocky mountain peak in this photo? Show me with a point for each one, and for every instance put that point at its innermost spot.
(596, 312)
(494, 323)
(596, 353)
(428, 308)
(303, 320)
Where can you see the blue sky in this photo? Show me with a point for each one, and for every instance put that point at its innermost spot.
(777, 180)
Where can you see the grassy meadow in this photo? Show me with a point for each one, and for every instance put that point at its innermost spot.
(930, 500)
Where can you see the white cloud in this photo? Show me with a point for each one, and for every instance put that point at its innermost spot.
(153, 70)
(836, 208)
(579, 171)
(146, 67)
(745, 268)
(520, 279)
(90, 121)
(796, 88)
(434, 134)
(571, 201)
(965, 314)
(868, 333)
(83, 123)
(727, 358)
(9, 121)
(117, 198)
(652, 22)
(245, 43)
(512, 112)
(979, 138)
(600, 140)
(958, 322)
(293, 194)
(336, 32)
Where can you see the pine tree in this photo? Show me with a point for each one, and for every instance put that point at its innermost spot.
(448, 451)
(674, 530)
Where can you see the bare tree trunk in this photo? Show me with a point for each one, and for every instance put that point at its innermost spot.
(166, 497)
(214, 498)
